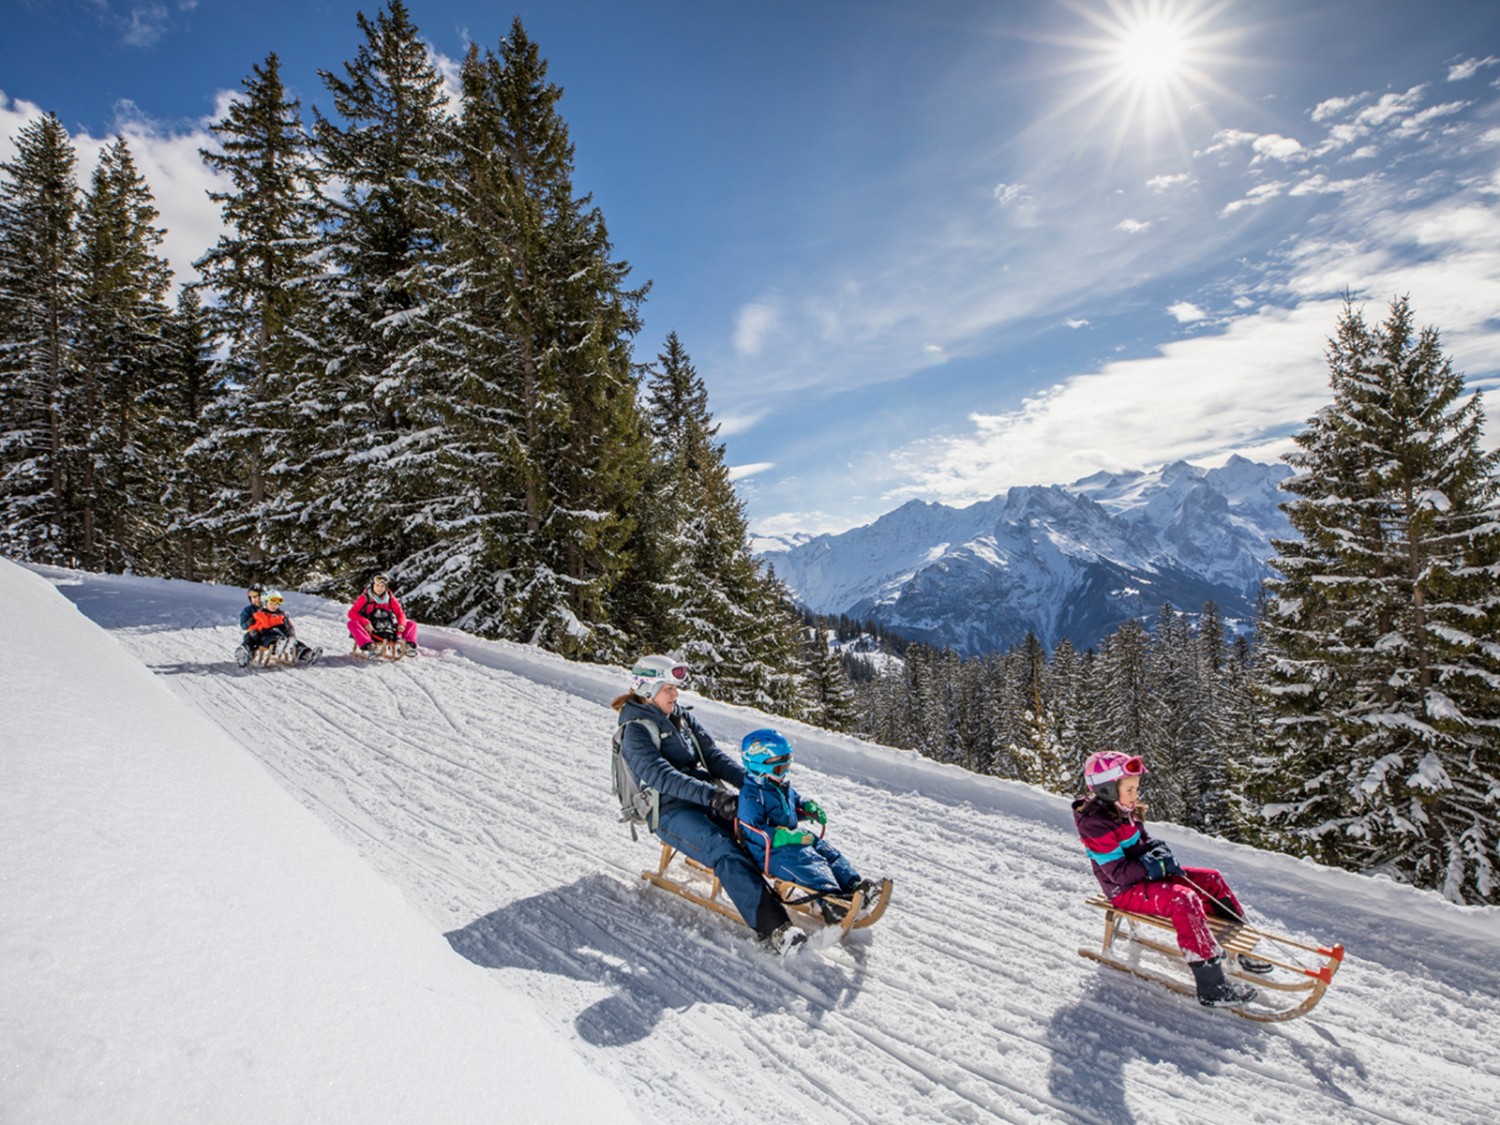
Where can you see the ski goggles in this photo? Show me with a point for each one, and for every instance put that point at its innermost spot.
(676, 676)
(1132, 766)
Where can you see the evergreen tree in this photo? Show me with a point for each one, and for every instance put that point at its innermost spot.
(548, 315)
(260, 275)
(832, 698)
(119, 438)
(39, 295)
(1383, 652)
(1040, 757)
(190, 392)
(360, 483)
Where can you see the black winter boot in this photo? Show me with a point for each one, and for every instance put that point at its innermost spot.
(1214, 988)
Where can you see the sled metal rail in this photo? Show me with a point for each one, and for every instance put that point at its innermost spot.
(789, 893)
(384, 649)
(1234, 937)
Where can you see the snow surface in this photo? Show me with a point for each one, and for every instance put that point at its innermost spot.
(181, 942)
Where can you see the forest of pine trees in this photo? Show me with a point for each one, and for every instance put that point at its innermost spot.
(410, 350)
(413, 350)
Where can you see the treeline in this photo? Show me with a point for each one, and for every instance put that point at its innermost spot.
(1363, 727)
(1180, 694)
(409, 351)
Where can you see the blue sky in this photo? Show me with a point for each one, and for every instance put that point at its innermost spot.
(932, 249)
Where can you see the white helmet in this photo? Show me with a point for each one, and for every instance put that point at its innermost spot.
(650, 674)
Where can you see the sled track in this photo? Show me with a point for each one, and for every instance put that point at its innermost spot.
(481, 794)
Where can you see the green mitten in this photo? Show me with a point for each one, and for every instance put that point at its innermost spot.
(812, 811)
(787, 837)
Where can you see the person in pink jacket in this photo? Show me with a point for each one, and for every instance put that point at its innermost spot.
(376, 615)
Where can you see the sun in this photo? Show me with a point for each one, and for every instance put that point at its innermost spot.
(1141, 68)
(1153, 52)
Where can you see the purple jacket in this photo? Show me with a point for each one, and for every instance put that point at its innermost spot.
(1114, 845)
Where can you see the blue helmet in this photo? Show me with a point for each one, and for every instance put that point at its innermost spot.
(767, 753)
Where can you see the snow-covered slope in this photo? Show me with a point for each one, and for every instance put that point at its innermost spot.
(473, 782)
(180, 942)
(1066, 561)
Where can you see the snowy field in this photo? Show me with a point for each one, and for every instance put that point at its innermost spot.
(180, 942)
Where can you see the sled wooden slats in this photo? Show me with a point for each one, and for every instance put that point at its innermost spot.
(1235, 938)
(267, 655)
(852, 920)
(387, 650)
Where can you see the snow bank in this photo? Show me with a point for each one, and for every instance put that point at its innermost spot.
(181, 941)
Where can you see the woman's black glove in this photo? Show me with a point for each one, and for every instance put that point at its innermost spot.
(724, 805)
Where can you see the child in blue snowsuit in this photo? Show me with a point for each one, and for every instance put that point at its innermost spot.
(770, 811)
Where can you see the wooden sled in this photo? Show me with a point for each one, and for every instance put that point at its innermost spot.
(855, 915)
(382, 649)
(1306, 988)
(282, 652)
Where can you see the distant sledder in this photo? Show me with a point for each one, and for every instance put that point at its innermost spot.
(270, 637)
(671, 777)
(1148, 894)
(379, 625)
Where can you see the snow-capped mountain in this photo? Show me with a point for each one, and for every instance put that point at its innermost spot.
(1063, 561)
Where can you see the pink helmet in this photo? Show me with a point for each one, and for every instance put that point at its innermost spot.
(1102, 772)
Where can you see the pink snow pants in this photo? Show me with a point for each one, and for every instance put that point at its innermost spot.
(1185, 906)
(359, 629)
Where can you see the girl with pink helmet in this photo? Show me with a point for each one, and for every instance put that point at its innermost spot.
(1140, 874)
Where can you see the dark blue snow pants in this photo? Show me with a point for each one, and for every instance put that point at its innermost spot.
(692, 831)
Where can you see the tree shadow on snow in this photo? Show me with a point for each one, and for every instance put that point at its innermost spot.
(645, 947)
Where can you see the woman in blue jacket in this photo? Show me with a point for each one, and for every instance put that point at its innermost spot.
(682, 763)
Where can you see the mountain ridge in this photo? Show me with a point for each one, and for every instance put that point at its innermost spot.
(1059, 561)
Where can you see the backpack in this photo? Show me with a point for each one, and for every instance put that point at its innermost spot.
(639, 804)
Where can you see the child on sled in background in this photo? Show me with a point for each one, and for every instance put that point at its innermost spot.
(770, 812)
(1140, 874)
(270, 625)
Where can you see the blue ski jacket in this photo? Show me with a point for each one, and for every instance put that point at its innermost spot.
(683, 769)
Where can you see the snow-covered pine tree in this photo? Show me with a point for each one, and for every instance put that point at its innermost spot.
(259, 275)
(714, 603)
(547, 309)
(1127, 717)
(1039, 753)
(1174, 739)
(189, 390)
(1382, 634)
(119, 440)
(362, 474)
(39, 294)
(832, 698)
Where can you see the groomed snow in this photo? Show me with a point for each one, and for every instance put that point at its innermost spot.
(180, 942)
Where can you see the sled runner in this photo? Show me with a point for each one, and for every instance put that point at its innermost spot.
(832, 911)
(382, 649)
(1303, 990)
(282, 652)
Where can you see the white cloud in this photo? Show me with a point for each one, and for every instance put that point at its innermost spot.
(167, 160)
(1072, 322)
(741, 472)
(753, 325)
(1132, 226)
(1006, 194)
(1335, 106)
(1185, 312)
(1257, 196)
(1164, 183)
(1413, 125)
(1274, 146)
(1391, 105)
(1320, 184)
(1470, 67)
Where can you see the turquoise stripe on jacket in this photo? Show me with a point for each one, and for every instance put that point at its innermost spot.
(1118, 853)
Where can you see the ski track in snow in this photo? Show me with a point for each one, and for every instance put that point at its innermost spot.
(474, 779)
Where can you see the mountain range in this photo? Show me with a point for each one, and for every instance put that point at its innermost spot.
(1061, 561)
